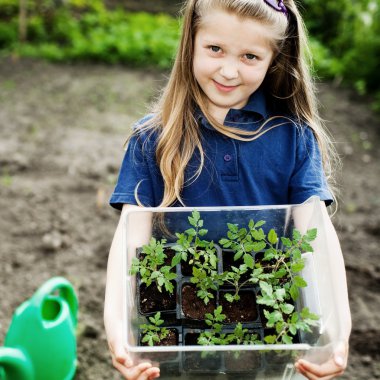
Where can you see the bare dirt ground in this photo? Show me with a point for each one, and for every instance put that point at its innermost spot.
(62, 128)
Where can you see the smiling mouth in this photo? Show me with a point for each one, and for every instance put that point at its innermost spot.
(224, 88)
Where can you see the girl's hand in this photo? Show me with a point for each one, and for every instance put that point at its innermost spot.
(326, 371)
(124, 364)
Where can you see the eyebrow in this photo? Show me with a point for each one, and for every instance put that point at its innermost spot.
(256, 49)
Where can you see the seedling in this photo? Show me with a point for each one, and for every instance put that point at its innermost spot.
(233, 278)
(243, 241)
(280, 284)
(199, 253)
(151, 266)
(153, 333)
(191, 248)
(276, 275)
(215, 336)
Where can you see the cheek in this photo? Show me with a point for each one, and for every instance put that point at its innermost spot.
(256, 75)
(201, 68)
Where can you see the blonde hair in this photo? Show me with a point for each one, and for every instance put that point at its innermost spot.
(288, 84)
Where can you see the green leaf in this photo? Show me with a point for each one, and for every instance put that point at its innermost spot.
(258, 234)
(169, 287)
(191, 232)
(176, 259)
(266, 300)
(248, 261)
(280, 273)
(196, 215)
(306, 247)
(269, 254)
(229, 297)
(299, 282)
(233, 227)
(296, 254)
(171, 276)
(293, 329)
(294, 292)
(307, 314)
(297, 266)
(280, 294)
(296, 235)
(311, 234)
(259, 246)
(259, 223)
(286, 242)
(203, 341)
(266, 288)
(287, 308)
(287, 339)
(238, 254)
(249, 246)
(155, 274)
(270, 339)
(272, 236)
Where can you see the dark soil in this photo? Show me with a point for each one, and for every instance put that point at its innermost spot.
(243, 310)
(171, 340)
(194, 307)
(152, 300)
(243, 361)
(186, 268)
(62, 129)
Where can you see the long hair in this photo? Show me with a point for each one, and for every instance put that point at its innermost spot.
(288, 85)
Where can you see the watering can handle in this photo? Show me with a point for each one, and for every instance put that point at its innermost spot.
(16, 365)
(66, 291)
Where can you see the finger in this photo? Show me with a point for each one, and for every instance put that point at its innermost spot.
(134, 372)
(311, 376)
(325, 373)
(341, 355)
(325, 369)
(150, 374)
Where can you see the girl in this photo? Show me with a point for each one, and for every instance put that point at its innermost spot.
(237, 124)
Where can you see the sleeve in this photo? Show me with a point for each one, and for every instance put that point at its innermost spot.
(308, 177)
(138, 180)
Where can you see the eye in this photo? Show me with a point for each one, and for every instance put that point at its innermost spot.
(215, 49)
(250, 57)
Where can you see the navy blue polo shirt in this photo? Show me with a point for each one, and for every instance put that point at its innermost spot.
(282, 166)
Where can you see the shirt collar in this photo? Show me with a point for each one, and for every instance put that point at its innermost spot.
(256, 104)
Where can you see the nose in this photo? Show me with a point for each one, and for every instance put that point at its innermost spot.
(229, 70)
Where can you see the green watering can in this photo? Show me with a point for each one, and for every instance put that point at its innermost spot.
(40, 343)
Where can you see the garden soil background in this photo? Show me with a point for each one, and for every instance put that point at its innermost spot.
(62, 129)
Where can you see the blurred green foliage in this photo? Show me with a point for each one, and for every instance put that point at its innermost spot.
(85, 30)
(347, 40)
(345, 36)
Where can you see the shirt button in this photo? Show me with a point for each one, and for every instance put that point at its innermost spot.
(227, 157)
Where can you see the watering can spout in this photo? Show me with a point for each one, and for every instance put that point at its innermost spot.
(14, 364)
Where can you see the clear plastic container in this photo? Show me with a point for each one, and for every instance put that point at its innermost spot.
(270, 361)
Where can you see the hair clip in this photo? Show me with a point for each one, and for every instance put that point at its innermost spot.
(277, 5)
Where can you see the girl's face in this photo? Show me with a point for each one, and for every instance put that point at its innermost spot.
(231, 58)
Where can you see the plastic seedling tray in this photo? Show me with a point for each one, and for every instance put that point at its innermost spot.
(274, 361)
